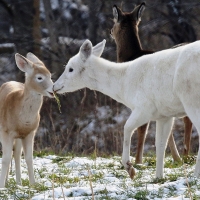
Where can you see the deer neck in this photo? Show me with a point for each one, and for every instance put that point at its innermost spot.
(31, 103)
(106, 77)
(128, 46)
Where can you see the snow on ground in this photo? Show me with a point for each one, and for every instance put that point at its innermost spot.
(104, 178)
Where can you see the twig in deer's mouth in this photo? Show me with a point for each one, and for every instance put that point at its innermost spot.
(57, 101)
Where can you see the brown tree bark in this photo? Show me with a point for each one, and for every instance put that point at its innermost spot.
(53, 37)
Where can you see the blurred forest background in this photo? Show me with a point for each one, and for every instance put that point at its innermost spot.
(54, 30)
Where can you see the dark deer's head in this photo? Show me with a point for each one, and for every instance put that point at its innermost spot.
(125, 33)
(126, 21)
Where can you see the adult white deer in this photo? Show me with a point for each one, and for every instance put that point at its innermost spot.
(20, 106)
(158, 87)
(125, 33)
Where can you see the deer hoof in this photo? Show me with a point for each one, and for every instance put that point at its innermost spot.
(130, 170)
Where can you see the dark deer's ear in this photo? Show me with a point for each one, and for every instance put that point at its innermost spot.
(137, 12)
(117, 14)
(140, 10)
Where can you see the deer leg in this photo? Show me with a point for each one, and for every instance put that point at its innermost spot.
(197, 167)
(17, 157)
(7, 146)
(187, 135)
(141, 131)
(173, 148)
(193, 112)
(196, 122)
(27, 144)
(136, 119)
(163, 130)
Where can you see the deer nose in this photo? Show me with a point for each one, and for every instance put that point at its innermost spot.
(57, 89)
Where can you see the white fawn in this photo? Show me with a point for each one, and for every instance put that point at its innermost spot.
(20, 106)
(126, 36)
(156, 87)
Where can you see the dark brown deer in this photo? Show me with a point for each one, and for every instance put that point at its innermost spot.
(125, 34)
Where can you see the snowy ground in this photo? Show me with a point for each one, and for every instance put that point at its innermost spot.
(102, 178)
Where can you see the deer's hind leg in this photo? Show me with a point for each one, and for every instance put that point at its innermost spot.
(193, 112)
(141, 131)
(163, 130)
(187, 135)
(173, 148)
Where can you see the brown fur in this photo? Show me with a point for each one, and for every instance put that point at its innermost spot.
(125, 33)
(20, 106)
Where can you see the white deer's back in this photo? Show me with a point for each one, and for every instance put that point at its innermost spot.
(161, 77)
(155, 82)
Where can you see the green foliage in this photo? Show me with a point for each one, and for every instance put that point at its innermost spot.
(58, 178)
(141, 195)
(170, 163)
(150, 161)
(159, 180)
(190, 159)
(42, 153)
(40, 187)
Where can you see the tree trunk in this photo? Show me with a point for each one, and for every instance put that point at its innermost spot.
(53, 37)
(93, 22)
(36, 28)
(23, 26)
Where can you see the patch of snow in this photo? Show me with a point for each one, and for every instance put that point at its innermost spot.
(106, 178)
(9, 45)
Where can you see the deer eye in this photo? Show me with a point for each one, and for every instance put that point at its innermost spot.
(71, 69)
(39, 78)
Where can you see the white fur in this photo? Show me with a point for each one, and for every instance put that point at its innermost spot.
(157, 87)
(20, 105)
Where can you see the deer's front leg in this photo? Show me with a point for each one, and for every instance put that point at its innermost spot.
(17, 151)
(7, 146)
(163, 130)
(27, 143)
(136, 119)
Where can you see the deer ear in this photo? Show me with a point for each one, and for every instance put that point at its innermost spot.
(98, 49)
(30, 56)
(140, 10)
(137, 12)
(117, 14)
(85, 50)
(23, 64)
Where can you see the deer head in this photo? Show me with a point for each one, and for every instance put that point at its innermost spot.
(123, 20)
(38, 77)
(76, 73)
